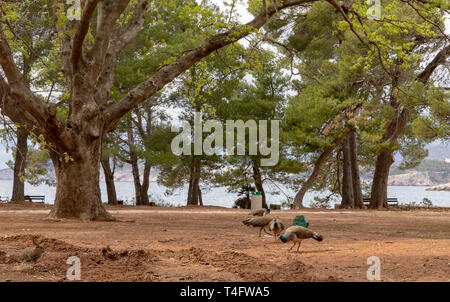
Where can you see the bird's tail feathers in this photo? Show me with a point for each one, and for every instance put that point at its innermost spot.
(246, 221)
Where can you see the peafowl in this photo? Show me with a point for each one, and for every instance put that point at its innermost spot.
(261, 222)
(276, 226)
(297, 233)
(260, 212)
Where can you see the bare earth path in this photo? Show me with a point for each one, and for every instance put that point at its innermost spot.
(212, 244)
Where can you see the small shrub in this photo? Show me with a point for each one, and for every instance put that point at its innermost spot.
(320, 203)
(426, 203)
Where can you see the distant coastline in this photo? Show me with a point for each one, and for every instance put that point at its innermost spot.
(444, 187)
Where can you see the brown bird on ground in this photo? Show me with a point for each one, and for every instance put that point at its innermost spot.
(261, 222)
(297, 233)
(276, 226)
(260, 212)
(32, 253)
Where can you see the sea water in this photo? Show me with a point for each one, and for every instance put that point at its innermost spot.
(219, 196)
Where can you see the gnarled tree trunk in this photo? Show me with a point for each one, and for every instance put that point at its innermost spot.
(77, 185)
(19, 167)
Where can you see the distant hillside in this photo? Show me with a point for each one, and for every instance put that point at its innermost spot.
(437, 166)
(438, 151)
(418, 179)
(428, 173)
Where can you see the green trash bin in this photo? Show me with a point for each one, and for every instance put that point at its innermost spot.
(301, 220)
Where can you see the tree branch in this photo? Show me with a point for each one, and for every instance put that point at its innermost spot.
(82, 29)
(65, 44)
(146, 89)
(18, 88)
(110, 11)
(439, 59)
(42, 113)
(11, 108)
(120, 40)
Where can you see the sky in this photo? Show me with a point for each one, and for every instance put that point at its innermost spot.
(243, 16)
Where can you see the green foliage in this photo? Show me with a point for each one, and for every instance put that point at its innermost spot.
(38, 168)
(320, 203)
(426, 202)
(244, 201)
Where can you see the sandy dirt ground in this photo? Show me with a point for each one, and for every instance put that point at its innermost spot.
(212, 244)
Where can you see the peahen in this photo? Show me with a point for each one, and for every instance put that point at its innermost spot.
(276, 226)
(261, 222)
(297, 233)
(260, 212)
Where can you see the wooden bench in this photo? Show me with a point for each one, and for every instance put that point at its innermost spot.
(275, 207)
(32, 198)
(390, 201)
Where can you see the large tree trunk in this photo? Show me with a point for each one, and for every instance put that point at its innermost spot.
(385, 159)
(19, 167)
(378, 198)
(259, 183)
(109, 179)
(347, 182)
(77, 185)
(356, 179)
